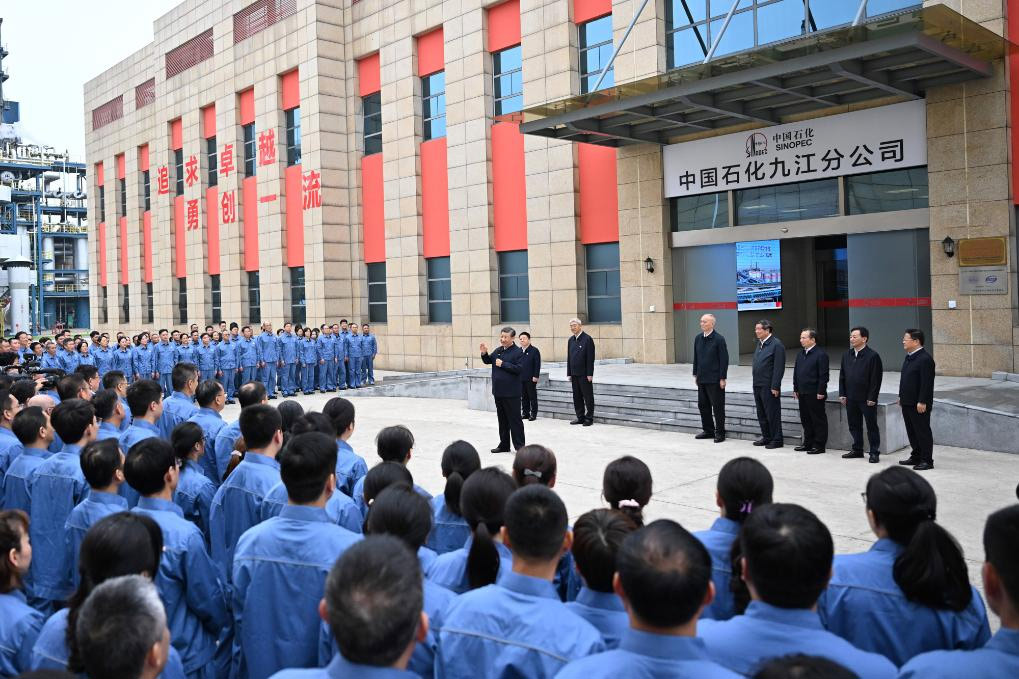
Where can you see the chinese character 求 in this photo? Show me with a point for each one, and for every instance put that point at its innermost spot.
(191, 171)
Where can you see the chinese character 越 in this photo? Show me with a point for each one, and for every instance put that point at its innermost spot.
(754, 171)
(892, 150)
(311, 190)
(163, 180)
(778, 167)
(687, 179)
(709, 177)
(832, 160)
(731, 174)
(267, 147)
(191, 171)
(226, 160)
(861, 157)
(192, 215)
(228, 207)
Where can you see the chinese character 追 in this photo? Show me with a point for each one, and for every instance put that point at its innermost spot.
(228, 207)
(892, 150)
(267, 147)
(311, 190)
(191, 171)
(861, 157)
(163, 180)
(192, 219)
(709, 177)
(226, 160)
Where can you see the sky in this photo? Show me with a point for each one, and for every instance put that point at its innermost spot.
(57, 45)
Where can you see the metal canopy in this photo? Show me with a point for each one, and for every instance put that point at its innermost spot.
(891, 58)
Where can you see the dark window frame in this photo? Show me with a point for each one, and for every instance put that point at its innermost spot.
(182, 299)
(510, 101)
(212, 161)
(146, 191)
(178, 169)
(298, 295)
(125, 304)
(122, 202)
(104, 307)
(254, 297)
(378, 312)
(250, 152)
(371, 112)
(511, 273)
(293, 135)
(216, 295)
(150, 303)
(606, 272)
(439, 288)
(433, 105)
(603, 48)
(102, 203)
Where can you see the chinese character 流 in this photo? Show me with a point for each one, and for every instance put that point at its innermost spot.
(311, 190)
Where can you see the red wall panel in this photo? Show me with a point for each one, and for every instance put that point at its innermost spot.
(294, 217)
(102, 253)
(147, 245)
(100, 175)
(212, 222)
(123, 250)
(599, 197)
(435, 198)
(431, 56)
(176, 135)
(246, 104)
(180, 257)
(121, 166)
(585, 10)
(209, 121)
(509, 195)
(291, 85)
(369, 75)
(249, 198)
(143, 157)
(373, 209)
(504, 26)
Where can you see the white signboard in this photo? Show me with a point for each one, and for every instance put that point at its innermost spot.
(983, 280)
(873, 140)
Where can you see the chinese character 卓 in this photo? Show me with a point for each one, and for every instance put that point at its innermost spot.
(163, 180)
(892, 150)
(192, 218)
(311, 190)
(228, 207)
(191, 171)
(267, 147)
(226, 160)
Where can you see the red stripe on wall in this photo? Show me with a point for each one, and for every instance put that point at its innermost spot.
(599, 198)
(176, 135)
(123, 250)
(509, 194)
(697, 306)
(143, 158)
(860, 302)
(209, 121)
(249, 199)
(504, 26)
(431, 56)
(369, 75)
(180, 257)
(102, 253)
(585, 10)
(147, 245)
(212, 220)
(373, 209)
(246, 103)
(121, 166)
(295, 217)
(435, 198)
(290, 83)
(100, 175)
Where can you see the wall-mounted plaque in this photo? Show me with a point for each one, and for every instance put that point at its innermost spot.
(983, 251)
(984, 280)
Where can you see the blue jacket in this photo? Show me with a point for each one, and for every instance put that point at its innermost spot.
(237, 505)
(108, 431)
(718, 541)
(144, 361)
(86, 359)
(19, 627)
(279, 572)
(50, 361)
(516, 628)
(326, 347)
(505, 377)
(605, 611)
(164, 356)
(269, 346)
(354, 349)
(177, 408)
(211, 423)
(227, 355)
(643, 655)
(449, 531)
(341, 345)
(194, 496)
(340, 509)
(123, 360)
(85, 515)
(207, 357)
(369, 345)
(249, 353)
(766, 632)
(288, 346)
(138, 431)
(196, 605)
(15, 486)
(68, 360)
(10, 448)
(55, 487)
(104, 359)
(449, 570)
(340, 668)
(864, 605)
(309, 352)
(185, 354)
(998, 659)
(350, 468)
(226, 439)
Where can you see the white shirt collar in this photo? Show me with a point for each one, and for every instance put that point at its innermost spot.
(915, 350)
(807, 350)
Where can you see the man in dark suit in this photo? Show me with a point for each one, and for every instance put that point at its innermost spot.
(810, 389)
(859, 386)
(580, 370)
(710, 367)
(505, 362)
(769, 367)
(916, 397)
(530, 368)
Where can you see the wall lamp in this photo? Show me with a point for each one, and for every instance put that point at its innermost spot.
(649, 265)
(948, 245)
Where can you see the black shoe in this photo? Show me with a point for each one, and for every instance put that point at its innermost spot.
(910, 461)
(532, 419)
(499, 450)
(853, 454)
(800, 449)
(704, 435)
(577, 421)
(773, 445)
(816, 451)
(719, 438)
(588, 423)
(874, 458)
(760, 442)
(230, 401)
(923, 466)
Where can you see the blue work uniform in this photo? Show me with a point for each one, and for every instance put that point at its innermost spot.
(50, 651)
(327, 362)
(207, 360)
(340, 668)
(370, 348)
(10, 448)
(449, 531)
(289, 345)
(249, 355)
(185, 353)
(144, 361)
(309, 365)
(226, 439)
(605, 611)
(16, 495)
(128, 417)
(138, 431)
(516, 628)
(358, 495)
(164, 358)
(998, 659)
(123, 360)
(449, 570)
(350, 468)
(211, 423)
(194, 496)
(718, 541)
(55, 487)
(742, 643)
(279, 572)
(644, 655)
(86, 514)
(104, 360)
(86, 359)
(340, 509)
(51, 361)
(108, 431)
(864, 605)
(19, 627)
(354, 354)
(68, 360)
(236, 506)
(179, 407)
(269, 355)
(343, 353)
(226, 355)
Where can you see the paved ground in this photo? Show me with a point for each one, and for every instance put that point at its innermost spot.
(970, 483)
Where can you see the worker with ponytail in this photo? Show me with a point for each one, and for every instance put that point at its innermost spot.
(449, 529)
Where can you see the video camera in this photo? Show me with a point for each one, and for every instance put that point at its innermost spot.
(29, 369)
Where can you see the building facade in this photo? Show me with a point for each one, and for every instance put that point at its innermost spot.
(444, 169)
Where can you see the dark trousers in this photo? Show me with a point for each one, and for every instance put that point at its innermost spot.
(856, 413)
(918, 429)
(769, 414)
(814, 421)
(583, 397)
(711, 397)
(529, 399)
(510, 424)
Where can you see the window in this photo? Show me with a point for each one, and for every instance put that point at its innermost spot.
(254, 298)
(122, 186)
(249, 149)
(514, 303)
(298, 309)
(293, 120)
(707, 211)
(440, 292)
(433, 99)
(104, 309)
(64, 309)
(217, 298)
(887, 191)
(603, 283)
(509, 81)
(150, 304)
(595, 52)
(377, 312)
(63, 253)
(787, 202)
(178, 168)
(212, 163)
(182, 299)
(372, 110)
(102, 203)
(125, 305)
(146, 188)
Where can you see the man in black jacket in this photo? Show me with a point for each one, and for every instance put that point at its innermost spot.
(810, 389)
(710, 367)
(769, 367)
(916, 397)
(859, 386)
(580, 370)
(530, 368)
(505, 362)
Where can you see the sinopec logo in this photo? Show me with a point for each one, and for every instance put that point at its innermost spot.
(991, 279)
(757, 145)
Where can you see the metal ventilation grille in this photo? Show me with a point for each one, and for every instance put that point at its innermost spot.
(261, 15)
(193, 52)
(145, 93)
(108, 112)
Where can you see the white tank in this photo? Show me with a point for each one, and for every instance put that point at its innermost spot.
(48, 264)
(81, 253)
(19, 278)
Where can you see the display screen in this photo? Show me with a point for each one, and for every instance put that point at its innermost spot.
(758, 275)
